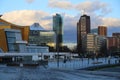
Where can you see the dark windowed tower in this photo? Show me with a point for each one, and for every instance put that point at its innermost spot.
(83, 28)
(57, 27)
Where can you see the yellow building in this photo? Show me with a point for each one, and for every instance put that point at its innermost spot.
(3, 25)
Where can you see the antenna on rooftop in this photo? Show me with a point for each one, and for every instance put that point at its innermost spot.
(83, 12)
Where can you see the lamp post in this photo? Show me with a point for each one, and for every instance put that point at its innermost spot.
(57, 49)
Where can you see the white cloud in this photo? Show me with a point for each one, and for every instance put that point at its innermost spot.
(30, 1)
(93, 6)
(64, 4)
(113, 22)
(87, 6)
(28, 17)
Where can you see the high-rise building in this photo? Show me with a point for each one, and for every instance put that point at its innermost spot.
(57, 27)
(83, 28)
(102, 30)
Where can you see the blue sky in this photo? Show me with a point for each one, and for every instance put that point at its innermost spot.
(102, 12)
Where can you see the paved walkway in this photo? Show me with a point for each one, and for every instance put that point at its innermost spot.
(40, 73)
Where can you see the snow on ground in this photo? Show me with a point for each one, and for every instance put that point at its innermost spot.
(40, 73)
(66, 71)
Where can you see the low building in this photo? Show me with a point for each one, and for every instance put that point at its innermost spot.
(24, 29)
(11, 40)
(5, 25)
(113, 44)
(40, 36)
(94, 44)
(37, 49)
(89, 43)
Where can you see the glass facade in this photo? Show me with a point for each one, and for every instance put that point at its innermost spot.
(12, 36)
(42, 37)
(57, 27)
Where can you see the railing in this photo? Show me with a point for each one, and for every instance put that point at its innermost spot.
(80, 63)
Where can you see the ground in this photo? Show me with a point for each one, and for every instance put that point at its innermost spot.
(41, 73)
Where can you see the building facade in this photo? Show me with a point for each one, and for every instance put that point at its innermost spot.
(94, 44)
(37, 49)
(83, 28)
(12, 41)
(24, 29)
(40, 36)
(113, 43)
(89, 43)
(58, 28)
(102, 30)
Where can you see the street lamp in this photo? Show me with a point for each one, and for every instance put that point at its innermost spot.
(57, 48)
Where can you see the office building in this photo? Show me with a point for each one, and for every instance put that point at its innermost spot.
(57, 27)
(40, 36)
(102, 30)
(94, 44)
(113, 43)
(101, 45)
(83, 28)
(89, 43)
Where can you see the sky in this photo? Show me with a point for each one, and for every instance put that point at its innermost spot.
(27, 12)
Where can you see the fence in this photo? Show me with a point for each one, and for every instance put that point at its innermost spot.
(79, 63)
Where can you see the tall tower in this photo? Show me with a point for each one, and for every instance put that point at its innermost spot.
(57, 27)
(83, 28)
(102, 30)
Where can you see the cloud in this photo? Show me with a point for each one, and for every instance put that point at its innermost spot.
(93, 6)
(87, 6)
(30, 1)
(28, 17)
(112, 22)
(64, 4)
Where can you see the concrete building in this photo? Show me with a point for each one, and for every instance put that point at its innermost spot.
(101, 45)
(117, 35)
(113, 43)
(58, 28)
(40, 36)
(102, 30)
(83, 28)
(89, 43)
(94, 44)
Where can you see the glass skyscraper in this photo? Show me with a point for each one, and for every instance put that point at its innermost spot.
(57, 27)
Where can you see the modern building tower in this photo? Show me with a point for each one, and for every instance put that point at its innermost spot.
(83, 28)
(102, 30)
(57, 27)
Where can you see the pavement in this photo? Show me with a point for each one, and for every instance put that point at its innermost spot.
(41, 73)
